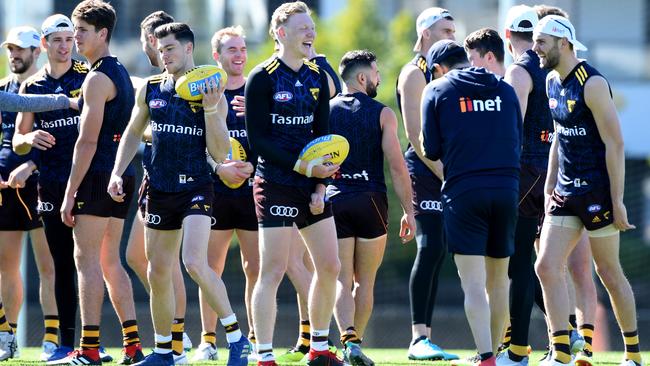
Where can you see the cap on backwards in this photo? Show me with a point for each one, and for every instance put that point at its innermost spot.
(555, 25)
(426, 19)
(23, 37)
(56, 23)
(442, 50)
(521, 18)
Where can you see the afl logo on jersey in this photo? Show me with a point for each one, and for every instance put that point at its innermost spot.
(552, 103)
(157, 103)
(282, 96)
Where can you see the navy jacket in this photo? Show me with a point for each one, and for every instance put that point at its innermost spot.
(471, 120)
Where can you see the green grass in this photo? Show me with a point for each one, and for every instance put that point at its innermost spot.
(382, 357)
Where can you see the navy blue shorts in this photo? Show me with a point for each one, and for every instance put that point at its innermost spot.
(593, 208)
(93, 199)
(426, 195)
(278, 205)
(166, 210)
(233, 212)
(50, 197)
(360, 215)
(18, 211)
(482, 222)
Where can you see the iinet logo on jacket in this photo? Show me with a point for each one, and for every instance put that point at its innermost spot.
(476, 105)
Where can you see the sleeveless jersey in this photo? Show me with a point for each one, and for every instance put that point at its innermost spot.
(581, 151)
(413, 163)
(117, 113)
(178, 148)
(63, 124)
(294, 98)
(237, 130)
(357, 118)
(538, 122)
(8, 159)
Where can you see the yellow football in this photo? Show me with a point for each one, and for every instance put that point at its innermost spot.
(189, 85)
(237, 152)
(336, 146)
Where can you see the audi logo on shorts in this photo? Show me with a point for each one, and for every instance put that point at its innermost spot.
(285, 211)
(45, 206)
(152, 219)
(213, 221)
(431, 205)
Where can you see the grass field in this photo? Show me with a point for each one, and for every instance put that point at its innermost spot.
(382, 357)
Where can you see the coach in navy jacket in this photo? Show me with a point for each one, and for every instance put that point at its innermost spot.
(472, 122)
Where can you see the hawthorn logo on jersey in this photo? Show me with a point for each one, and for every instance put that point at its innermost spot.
(61, 122)
(288, 120)
(546, 136)
(552, 103)
(594, 208)
(477, 105)
(282, 96)
(314, 92)
(157, 103)
(570, 104)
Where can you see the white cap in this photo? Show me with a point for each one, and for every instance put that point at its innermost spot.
(555, 25)
(23, 37)
(56, 23)
(521, 18)
(426, 19)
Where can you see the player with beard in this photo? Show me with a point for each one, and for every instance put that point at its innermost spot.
(18, 208)
(358, 195)
(584, 186)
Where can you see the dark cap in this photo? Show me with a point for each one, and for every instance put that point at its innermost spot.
(442, 50)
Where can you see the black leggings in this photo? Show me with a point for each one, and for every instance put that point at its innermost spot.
(423, 284)
(61, 243)
(524, 285)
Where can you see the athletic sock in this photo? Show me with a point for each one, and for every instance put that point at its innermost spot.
(573, 322)
(209, 337)
(416, 340)
(350, 335)
(230, 324)
(486, 355)
(130, 334)
(178, 327)
(90, 337)
(163, 344)
(319, 340)
(517, 353)
(4, 325)
(51, 334)
(587, 332)
(265, 352)
(631, 340)
(561, 350)
(305, 333)
(507, 337)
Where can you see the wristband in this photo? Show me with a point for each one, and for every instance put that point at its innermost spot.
(310, 166)
(217, 166)
(211, 110)
(296, 166)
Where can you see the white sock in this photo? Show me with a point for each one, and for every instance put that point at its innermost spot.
(234, 335)
(265, 352)
(319, 339)
(163, 339)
